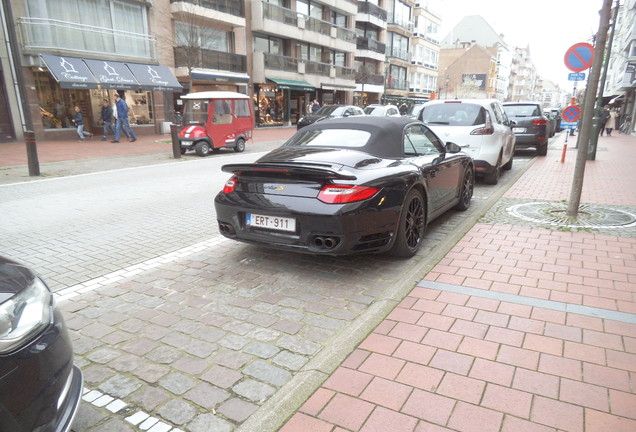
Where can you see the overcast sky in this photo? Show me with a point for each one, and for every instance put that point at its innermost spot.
(549, 27)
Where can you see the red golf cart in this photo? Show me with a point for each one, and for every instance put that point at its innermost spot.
(216, 119)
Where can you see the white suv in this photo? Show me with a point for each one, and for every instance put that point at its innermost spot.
(480, 127)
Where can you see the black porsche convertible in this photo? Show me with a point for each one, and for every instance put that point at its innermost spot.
(351, 185)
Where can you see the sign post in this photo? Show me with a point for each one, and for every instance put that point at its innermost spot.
(570, 114)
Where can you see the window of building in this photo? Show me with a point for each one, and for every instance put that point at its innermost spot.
(399, 46)
(205, 37)
(268, 44)
(338, 19)
(310, 8)
(124, 18)
(401, 13)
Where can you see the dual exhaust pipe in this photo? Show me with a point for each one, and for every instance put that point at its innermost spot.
(325, 242)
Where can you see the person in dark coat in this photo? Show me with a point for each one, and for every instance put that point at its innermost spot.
(122, 120)
(107, 119)
(78, 120)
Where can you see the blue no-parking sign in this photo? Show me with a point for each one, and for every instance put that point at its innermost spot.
(568, 125)
(579, 57)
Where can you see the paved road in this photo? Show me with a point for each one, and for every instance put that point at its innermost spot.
(199, 332)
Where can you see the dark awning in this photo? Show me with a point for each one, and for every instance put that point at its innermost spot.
(70, 72)
(112, 75)
(220, 76)
(154, 77)
(286, 84)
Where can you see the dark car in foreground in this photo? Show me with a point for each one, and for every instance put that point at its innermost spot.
(40, 388)
(330, 111)
(356, 185)
(532, 128)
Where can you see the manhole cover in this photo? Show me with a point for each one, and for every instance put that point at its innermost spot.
(590, 216)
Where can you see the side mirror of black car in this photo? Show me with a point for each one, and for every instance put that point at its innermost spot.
(451, 147)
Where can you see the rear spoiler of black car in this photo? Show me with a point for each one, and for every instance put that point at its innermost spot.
(288, 169)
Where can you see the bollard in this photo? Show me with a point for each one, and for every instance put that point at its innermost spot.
(176, 145)
(32, 153)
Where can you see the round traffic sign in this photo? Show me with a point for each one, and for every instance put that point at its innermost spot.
(579, 57)
(571, 113)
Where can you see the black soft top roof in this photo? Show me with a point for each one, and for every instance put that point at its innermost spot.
(386, 133)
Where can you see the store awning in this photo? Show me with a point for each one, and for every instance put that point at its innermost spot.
(330, 86)
(154, 77)
(70, 72)
(287, 84)
(112, 75)
(220, 76)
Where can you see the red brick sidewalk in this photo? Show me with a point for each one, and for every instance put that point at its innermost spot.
(497, 338)
(14, 153)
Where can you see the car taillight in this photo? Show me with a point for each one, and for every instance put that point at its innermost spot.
(488, 128)
(483, 131)
(342, 194)
(540, 122)
(230, 185)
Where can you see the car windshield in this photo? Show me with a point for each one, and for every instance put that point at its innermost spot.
(195, 111)
(329, 138)
(328, 110)
(522, 110)
(454, 114)
(368, 110)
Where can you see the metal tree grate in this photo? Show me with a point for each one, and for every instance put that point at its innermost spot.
(589, 216)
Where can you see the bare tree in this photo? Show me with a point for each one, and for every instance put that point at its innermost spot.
(192, 35)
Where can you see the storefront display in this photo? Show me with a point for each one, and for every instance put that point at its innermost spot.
(57, 104)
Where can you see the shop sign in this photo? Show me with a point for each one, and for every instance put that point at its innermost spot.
(70, 72)
(112, 75)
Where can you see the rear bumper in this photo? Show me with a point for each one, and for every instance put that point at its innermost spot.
(354, 228)
(525, 141)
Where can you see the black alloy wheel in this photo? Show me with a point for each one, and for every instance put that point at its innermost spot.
(412, 225)
(466, 193)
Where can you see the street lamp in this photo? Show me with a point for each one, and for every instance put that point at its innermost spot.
(447, 80)
(387, 64)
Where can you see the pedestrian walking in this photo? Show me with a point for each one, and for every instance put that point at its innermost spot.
(611, 122)
(122, 120)
(107, 119)
(78, 121)
(315, 106)
(605, 115)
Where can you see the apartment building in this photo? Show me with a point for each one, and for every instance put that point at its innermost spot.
(524, 80)
(301, 50)
(425, 49)
(620, 87)
(79, 53)
(283, 53)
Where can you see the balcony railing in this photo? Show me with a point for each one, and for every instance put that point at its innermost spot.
(397, 84)
(210, 59)
(279, 62)
(373, 10)
(345, 72)
(399, 21)
(290, 17)
(232, 7)
(398, 53)
(41, 34)
(370, 44)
